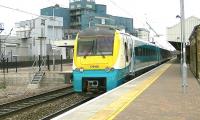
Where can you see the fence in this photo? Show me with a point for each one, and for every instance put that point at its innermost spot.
(27, 61)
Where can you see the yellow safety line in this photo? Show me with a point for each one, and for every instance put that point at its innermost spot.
(113, 109)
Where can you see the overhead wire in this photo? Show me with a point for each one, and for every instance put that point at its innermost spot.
(128, 13)
(26, 12)
(111, 1)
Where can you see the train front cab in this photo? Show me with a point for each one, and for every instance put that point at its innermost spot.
(98, 80)
(95, 70)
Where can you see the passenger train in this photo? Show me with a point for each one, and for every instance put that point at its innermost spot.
(104, 58)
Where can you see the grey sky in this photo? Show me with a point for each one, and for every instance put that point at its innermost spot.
(159, 13)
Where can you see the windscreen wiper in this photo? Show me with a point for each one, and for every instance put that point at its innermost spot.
(89, 51)
(101, 54)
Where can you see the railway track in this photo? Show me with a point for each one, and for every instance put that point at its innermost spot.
(83, 100)
(9, 108)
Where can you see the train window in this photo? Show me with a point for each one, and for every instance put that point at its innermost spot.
(131, 50)
(126, 51)
(101, 45)
(85, 47)
(150, 51)
(105, 45)
(154, 52)
(139, 51)
(136, 51)
(147, 52)
(143, 52)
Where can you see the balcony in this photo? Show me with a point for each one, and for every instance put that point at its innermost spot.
(75, 13)
(75, 23)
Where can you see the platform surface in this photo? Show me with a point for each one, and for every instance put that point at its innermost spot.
(156, 95)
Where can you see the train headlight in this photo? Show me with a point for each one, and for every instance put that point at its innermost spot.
(108, 69)
(79, 69)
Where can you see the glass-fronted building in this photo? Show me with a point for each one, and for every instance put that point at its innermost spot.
(82, 14)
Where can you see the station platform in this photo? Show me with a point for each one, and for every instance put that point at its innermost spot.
(15, 85)
(156, 95)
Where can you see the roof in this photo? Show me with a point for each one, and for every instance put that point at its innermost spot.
(191, 17)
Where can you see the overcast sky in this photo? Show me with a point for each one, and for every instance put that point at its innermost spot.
(159, 13)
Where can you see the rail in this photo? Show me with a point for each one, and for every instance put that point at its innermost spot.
(67, 108)
(9, 108)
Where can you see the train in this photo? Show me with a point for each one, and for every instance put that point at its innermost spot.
(195, 52)
(103, 58)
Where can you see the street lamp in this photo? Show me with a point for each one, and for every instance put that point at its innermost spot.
(55, 6)
(1, 29)
(181, 40)
(184, 71)
(90, 21)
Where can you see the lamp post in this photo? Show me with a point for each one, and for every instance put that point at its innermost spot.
(1, 29)
(53, 40)
(54, 7)
(53, 37)
(90, 20)
(181, 41)
(184, 65)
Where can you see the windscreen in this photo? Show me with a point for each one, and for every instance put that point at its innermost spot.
(95, 46)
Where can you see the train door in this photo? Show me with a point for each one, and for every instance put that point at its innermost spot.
(132, 70)
(125, 50)
(158, 55)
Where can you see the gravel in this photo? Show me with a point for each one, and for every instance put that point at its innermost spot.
(40, 111)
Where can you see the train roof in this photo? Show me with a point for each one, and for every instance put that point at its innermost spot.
(99, 31)
(153, 44)
(96, 32)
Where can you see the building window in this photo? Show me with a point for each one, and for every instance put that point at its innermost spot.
(72, 7)
(78, 6)
(103, 21)
(89, 6)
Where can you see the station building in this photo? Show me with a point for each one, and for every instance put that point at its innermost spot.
(174, 34)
